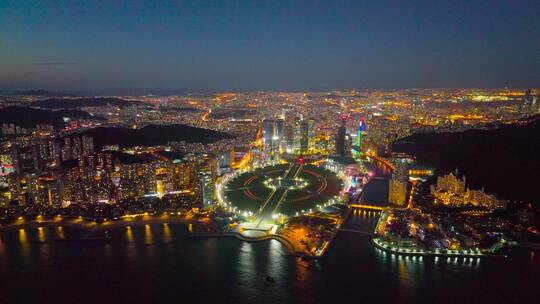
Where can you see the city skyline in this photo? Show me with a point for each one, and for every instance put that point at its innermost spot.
(270, 151)
(138, 47)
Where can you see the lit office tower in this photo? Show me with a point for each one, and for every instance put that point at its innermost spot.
(311, 132)
(361, 128)
(530, 103)
(304, 136)
(77, 148)
(526, 103)
(279, 129)
(161, 181)
(340, 137)
(43, 150)
(55, 151)
(268, 131)
(279, 132)
(271, 137)
(397, 193)
(37, 159)
(16, 159)
(289, 138)
(225, 160)
(87, 145)
(348, 145)
(48, 192)
(66, 149)
(297, 135)
(206, 188)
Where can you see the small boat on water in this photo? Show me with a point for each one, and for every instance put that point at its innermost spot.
(270, 279)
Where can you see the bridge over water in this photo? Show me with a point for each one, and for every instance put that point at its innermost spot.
(365, 212)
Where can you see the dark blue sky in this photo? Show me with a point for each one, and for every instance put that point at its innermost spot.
(243, 45)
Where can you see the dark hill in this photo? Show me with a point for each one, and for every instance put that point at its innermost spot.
(72, 103)
(506, 161)
(236, 113)
(153, 135)
(125, 158)
(45, 93)
(28, 117)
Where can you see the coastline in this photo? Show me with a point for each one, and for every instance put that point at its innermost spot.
(91, 227)
(420, 252)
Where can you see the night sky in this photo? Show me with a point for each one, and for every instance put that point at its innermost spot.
(113, 46)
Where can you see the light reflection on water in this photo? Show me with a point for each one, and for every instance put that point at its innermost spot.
(148, 237)
(167, 237)
(353, 264)
(412, 270)
(41, 234)
(60, 232)
(23, 237)
(275, 259)
(129, 234)
(246, 276)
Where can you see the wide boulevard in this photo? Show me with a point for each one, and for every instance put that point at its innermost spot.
(276, 197)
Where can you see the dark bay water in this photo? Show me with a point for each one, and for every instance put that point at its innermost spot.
(160, 263)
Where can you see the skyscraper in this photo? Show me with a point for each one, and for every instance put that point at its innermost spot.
(289, 137)
(304, 136)
(37, 158)
(361, 128)
(397, 193)
(16, 159)
(77, 148)
(66, 150)
(272, 134)
(340, 137)
(87, 145)
(528, 103)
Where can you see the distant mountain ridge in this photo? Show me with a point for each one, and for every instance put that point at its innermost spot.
(153, 135)
(45, 93)
(29, 117)
(73, 103)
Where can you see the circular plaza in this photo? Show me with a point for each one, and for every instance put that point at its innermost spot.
(285, 189)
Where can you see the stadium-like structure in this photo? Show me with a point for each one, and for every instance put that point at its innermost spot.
(284, 189)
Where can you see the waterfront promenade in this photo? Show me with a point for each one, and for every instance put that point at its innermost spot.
(91, 228)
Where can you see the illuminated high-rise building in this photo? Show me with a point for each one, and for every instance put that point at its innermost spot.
(66, 149)
(272, 134)
(289, 138)
(279, 129)
(206, 188)
(304, 136)
(48, 191)
(77, 148)
(397, 193)
(361, 128)
(37, 157)
(340, 137)
(161, 180)
(87, 145)
(16, 159)
(267, 131)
